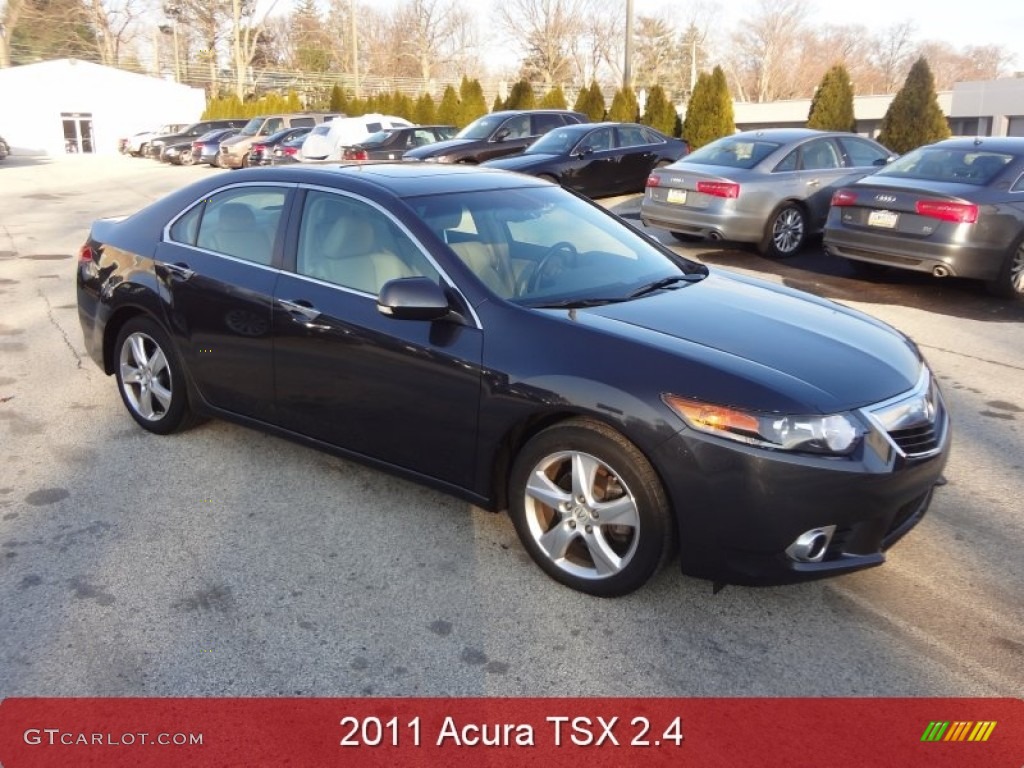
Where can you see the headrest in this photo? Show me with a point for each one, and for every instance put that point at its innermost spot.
(236, 217)
(441, 215)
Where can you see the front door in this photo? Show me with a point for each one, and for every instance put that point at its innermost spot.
(405, 392)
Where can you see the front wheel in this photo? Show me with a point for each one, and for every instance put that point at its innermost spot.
(150, 378)
(786, 232)
(589, 509)
(1010, 282)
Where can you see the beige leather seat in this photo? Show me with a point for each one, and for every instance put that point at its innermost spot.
(236, 234)
(488, 261)
(350, 255)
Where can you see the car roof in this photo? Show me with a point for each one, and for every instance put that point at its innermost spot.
(406, 179)
(786, 135)
(1011, 144)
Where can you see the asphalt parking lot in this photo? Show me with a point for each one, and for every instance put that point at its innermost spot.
(221, 561)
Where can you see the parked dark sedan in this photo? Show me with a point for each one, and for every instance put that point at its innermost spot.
(951, 208)
(288, 152)
(596, 159)
(509, 342)
(261, 152)
(206, 149)
(393, 143)
(496, 135)
(177, 154)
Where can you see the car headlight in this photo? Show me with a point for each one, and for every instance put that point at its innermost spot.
(833, 434)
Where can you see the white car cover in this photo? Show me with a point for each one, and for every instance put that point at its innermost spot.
(327, 141)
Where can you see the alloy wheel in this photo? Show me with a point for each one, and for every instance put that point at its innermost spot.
(145, 376)
(788, 230)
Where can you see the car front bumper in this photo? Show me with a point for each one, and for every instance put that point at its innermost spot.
(741, 510)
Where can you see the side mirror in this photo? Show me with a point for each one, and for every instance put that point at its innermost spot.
(584, 151)
(413, 298)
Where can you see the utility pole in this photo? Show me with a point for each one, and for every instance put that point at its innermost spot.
(627, 67)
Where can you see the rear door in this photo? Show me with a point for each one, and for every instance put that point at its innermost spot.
(597, 171)
(637, 155)
(219, 262)
(820, 171)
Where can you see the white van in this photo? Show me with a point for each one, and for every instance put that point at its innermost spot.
(327, 141)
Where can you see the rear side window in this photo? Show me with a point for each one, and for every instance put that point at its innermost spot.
(631, 137)
(819, 155)
(863, 154)
(544, 123)
(302, 122)
(241, 222)
(185, 229)
(789, 162)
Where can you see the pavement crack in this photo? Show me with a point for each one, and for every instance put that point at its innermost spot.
(1011, 366)
(61, 331)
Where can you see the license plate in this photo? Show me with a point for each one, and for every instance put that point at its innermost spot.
(885, 219)
(677, 196)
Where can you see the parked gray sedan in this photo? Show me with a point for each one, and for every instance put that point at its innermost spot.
(951, 208)
(770, 187)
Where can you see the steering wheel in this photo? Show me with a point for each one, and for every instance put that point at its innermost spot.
(545, 263)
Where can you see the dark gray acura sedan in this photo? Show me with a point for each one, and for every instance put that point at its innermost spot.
(517, 346)
(954, 208)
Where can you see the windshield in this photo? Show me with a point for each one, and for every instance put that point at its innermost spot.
(732, 151)
(480, 128)
(252, 127)
(960, 166)
(543, 246)
(556, 142)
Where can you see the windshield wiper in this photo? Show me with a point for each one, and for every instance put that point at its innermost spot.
(665, 282)
(577, 303)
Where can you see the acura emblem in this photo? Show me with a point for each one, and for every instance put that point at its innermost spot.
(885, 198)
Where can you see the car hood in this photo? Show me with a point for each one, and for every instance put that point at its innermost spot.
(766, 347)
(438, 148)
(521, 161)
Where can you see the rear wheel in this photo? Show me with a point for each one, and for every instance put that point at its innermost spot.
(1010, 282)
(589, 508)
(150, 377)
(786, 232)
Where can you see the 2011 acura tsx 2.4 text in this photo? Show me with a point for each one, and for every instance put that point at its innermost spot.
(510, 342)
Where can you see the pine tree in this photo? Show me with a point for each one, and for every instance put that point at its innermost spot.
(498, 104)
(339, 100)
(474, 104)
(709, 114)
(448, 109)
(914, 117)
(625, 107)
(832, 105)
(659, 112)
(521, 96)
(591, 102)
(554, 99)
(426, 113)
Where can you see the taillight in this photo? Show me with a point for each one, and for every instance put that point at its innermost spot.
(291, 151)
(86, 255)
(844, 197)
(719, 188)
(653, 181)
(357, 154)
(197, 145)
(960, 213)
(261, 148)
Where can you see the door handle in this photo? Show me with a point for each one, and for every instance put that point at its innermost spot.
(813, 182)
(301, 308)
(180, 270)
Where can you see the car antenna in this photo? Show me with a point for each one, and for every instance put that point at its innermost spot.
(977, 141)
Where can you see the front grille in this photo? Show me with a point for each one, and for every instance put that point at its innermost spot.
(916, 440)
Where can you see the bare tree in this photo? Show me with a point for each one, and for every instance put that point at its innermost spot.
(766, 48)
(547, 30)
(429, 32)
(10, 15)
(894, 53)
(247, 28)
(117, 25)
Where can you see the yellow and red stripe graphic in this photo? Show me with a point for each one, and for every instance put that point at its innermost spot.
(959, 730)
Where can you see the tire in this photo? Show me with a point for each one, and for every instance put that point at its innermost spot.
(1010, 282)
(568, 538)
(187, 159)
(785, 233)
(150, 377)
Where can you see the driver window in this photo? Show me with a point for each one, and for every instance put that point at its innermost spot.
(819, 155)
(599, 140)
(518, 127)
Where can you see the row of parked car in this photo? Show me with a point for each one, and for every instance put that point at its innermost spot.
(954, 208)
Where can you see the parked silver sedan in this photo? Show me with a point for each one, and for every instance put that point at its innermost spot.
(770, 187)
(951, 208)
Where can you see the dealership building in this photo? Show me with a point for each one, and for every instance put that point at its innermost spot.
(982, 108)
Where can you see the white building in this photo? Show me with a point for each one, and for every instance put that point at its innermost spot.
(984, 108)
(68, 105)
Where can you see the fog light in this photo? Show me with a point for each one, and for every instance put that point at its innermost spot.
(811, 545)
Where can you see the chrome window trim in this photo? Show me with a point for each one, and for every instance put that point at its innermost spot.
(405, 230)
(925, 387)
